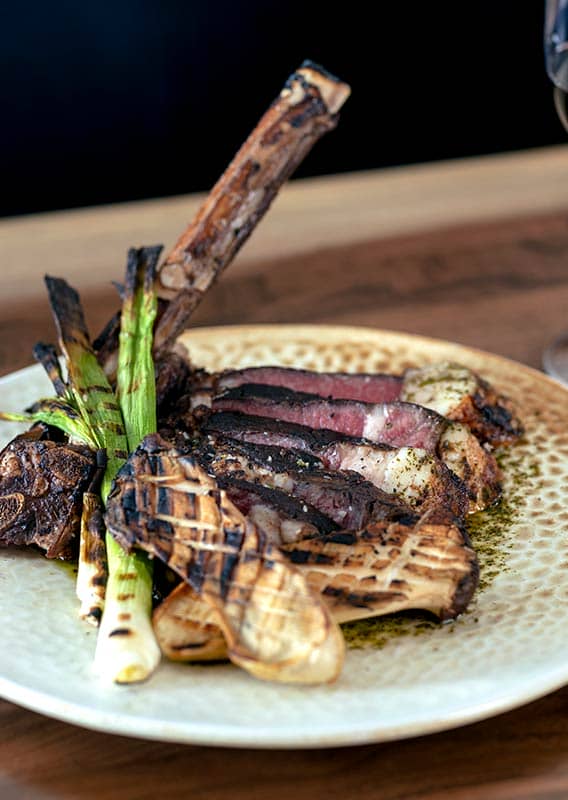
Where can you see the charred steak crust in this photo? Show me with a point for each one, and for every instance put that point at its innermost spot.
(41, 490)
(346, 497)
(276, 459)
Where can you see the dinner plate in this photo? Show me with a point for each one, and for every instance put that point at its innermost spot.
(403, 676)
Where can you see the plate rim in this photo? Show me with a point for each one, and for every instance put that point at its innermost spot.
(227, 736)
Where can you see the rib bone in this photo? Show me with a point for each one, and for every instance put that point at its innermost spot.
(305, 109)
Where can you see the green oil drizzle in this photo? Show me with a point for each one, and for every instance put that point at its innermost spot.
(378, 631)
(488, 531)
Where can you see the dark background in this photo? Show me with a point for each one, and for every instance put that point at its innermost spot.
(121, 100)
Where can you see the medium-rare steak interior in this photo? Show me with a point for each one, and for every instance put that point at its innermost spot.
(452, 390)
(416, 478)
(395, 424)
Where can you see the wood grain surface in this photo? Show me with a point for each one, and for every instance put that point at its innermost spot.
(475, 252)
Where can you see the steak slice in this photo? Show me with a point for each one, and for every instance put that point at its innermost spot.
(417, 478)
(346, 498)
(395, 424)
(41, 492)
(377, 388)
(267, 431)
(452, 390)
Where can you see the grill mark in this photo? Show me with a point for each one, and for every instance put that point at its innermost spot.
(121, 632)
(163, 505)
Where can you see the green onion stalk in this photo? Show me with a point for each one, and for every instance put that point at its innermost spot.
(127, 650)
(88, 411)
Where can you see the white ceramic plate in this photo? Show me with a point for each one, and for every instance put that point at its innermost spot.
(511, 647)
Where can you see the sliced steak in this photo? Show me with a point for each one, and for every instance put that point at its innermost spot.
(378, 388)
(247, 495)
(450, 389)
(345, 497)
(395, 424)
(263, 430)
(416, 477)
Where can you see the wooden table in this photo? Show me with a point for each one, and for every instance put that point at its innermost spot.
(474, 251)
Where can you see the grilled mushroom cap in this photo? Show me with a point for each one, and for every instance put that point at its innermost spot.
(274, 625)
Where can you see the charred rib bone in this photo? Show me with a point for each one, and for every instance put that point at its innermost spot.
(306, 108)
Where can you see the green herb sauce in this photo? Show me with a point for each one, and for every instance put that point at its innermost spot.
(488, 531)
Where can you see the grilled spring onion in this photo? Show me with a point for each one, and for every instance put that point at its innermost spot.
(59, 413)
(92, 572)
(89, 394)
(126, 649)
(92, 569)
(126, 628)
(87, 410)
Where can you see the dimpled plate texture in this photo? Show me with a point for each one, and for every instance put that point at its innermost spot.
(509, 648)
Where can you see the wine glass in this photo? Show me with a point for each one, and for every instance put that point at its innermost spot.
(555, 357)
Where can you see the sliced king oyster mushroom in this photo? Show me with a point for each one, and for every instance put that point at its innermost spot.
(274, 625)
